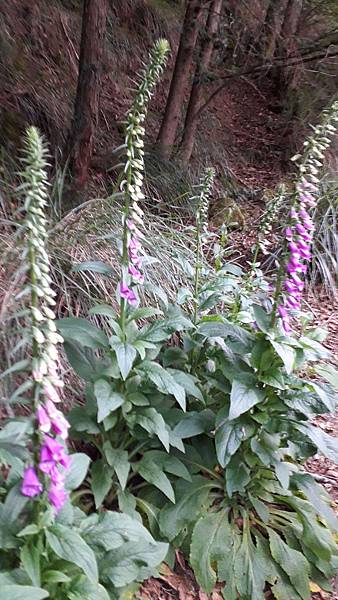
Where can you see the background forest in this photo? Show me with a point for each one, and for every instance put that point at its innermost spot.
(168, 341)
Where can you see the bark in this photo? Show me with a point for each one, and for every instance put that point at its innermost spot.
(292, 18)
(86, 107)
(205, 57)
(273, 27)
(180, 78)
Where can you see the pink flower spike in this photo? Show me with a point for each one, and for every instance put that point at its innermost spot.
(43, 419)
(288, 233)
(131, 226)
(293, 247)
(282, 312)
(134, 244)
(135, 274)
(31, 485)
(300, 229)
(128, 294)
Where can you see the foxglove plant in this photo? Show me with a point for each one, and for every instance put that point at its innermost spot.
(131, 185)
(203, 197)
(300, 230)
(51, 427)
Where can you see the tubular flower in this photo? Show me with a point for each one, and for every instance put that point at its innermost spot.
(299, 232)
(131, 185)
(47, 383)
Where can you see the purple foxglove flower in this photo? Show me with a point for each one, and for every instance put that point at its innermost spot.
(136, 274)
(308, 225)
(306, 254)
(57, 496)
(293, 247)
(282, 312)
(131, 226)
(51, 453)
(43, 419)
(60, 425)
(134, 244)
(292, 302)
(300, 229)
(31, 486)
(294, 213)
(288, 233)
(128, 294)
(56, 477)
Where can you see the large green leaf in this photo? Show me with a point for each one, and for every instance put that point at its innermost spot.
(101, 480)
(82, 331)
(286, 353)
(125, 354)
(77, 470)
(133, 561)
(81, 359)
(318, 497)
(118, 459)
(30, 559)
(225, 329)
(69, 545)
(250, 569)
(153, 422)
(110, 530)
(292, 562)
(229, 435)
(188, 382)
(84, 589)
(152, 467)
(243, 397)
(209, 537)
(327, 444)
(329, 373)
(190, 500)
(23, 592)
(193, 423)
(94, 266)
(163, 380)
(107, 399)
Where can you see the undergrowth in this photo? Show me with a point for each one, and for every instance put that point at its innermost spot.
(195, 420)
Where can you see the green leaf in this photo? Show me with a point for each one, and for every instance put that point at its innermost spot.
(287, 354)
(292, 562)
(262, 318)
(101, 481)
(94, 266)
(163, 380)
(69, 545)
(21, 365)
(329, 373)
(188, 382)
(225, 329)
(327, 444)
(243, 397)
(118, 459)
(190, 501)
(157, 291)
(228, 438)
(250, 569)
(318, 497)
(260, 508)
(133, 561)
(81, 359)
(153, 464)
(80, 420)
(153, 422)
(110, 530)
(103, 309)
(77, 470)
(83, 589)
(209, 537)
(82, 331)
(23, 592)
(144, 312)
(237, 476)
(193, 423)
(30, 559)
(107, 399)
(125, 354)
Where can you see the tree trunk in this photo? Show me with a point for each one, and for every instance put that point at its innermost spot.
(191, 26)
(292, 18)
(86, 108)
(207, 47)
(273, 26)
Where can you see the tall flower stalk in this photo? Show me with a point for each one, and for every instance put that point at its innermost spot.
(203, 198)
(300, 229)
(131, 185)
(50, 458)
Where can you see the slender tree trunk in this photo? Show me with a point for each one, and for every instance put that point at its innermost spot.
(191, 26)
(273, 27)
(207, 48)
(86, 108)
